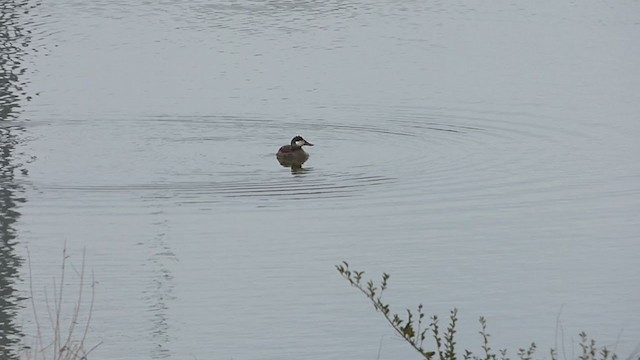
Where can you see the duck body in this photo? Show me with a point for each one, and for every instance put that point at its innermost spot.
(293, 155)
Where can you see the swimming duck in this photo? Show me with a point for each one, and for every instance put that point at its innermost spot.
(293, 155)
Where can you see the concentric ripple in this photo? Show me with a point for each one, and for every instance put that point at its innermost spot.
(380, 154)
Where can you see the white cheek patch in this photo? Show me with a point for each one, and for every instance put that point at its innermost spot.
(300, 142)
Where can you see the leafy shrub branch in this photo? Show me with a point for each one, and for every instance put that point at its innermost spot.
(414, 329)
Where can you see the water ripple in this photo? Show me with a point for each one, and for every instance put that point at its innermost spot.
(406, 153)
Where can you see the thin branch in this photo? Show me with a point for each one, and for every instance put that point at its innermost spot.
(33, 303)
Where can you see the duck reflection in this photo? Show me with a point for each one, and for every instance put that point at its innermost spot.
(293, 156)
(297, 169)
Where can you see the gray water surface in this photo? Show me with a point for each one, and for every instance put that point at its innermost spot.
(485, 154)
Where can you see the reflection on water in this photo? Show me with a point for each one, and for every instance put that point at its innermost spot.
(10, 262)
(298, 170)
(159, 292)
(14, 40)
(295, 163)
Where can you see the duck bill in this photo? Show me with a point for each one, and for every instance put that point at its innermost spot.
(308, 143)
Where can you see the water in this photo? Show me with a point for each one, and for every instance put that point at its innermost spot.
(483, 154)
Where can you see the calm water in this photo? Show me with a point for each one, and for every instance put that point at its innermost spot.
(485, 154)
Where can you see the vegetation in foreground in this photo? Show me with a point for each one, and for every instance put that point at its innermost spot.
(414, 329)
(66, 337)
(67, 341)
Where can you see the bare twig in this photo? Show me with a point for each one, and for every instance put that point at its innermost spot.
(67, 347)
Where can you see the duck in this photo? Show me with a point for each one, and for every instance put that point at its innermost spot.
(293, 155)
